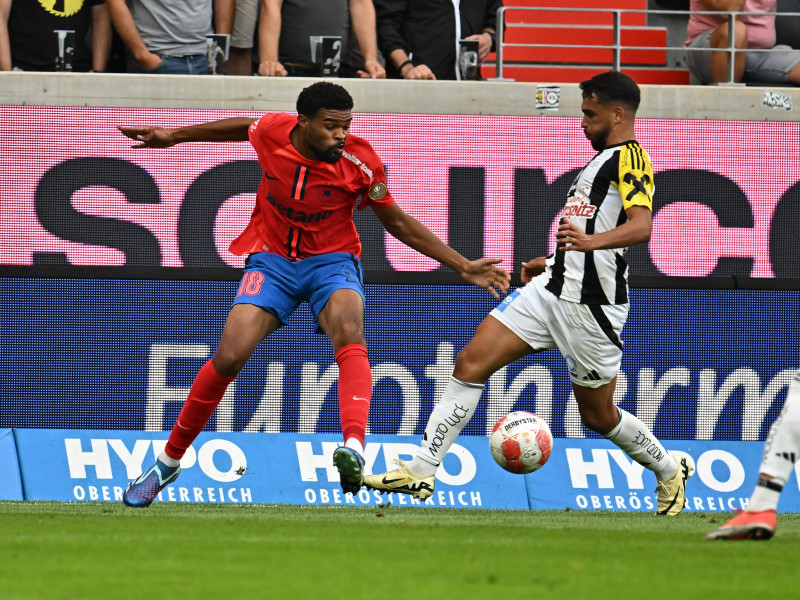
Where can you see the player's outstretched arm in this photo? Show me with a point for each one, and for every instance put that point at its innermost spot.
(482, 272)
(224, 130)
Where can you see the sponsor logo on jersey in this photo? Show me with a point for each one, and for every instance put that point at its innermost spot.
(298, 215)
(578, 205)
(358, 162)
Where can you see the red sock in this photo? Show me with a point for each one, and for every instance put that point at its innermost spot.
(355, 390)
(206, 393)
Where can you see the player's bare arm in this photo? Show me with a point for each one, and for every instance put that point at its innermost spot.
(224, 130)
(482, 272)
(635, 231)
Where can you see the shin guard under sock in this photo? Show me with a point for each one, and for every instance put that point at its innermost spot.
(355, 390)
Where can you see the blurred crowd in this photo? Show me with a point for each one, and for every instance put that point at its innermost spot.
(400, 39)
(408, 39)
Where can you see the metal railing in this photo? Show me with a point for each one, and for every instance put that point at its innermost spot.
(617, 27)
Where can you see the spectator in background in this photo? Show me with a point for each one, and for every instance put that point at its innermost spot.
(750, 31)
(285, 27)
(420, 38)
(353, 62)
(28, 41)
(240, 60)
(168, 37)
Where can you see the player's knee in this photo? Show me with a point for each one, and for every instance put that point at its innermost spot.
(228, 364)
(469, 367)
(599, 421)
(352, 333)
(340, 340)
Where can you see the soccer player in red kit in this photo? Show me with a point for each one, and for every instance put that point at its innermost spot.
(301, 246)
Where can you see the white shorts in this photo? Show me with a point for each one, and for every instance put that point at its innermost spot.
(586, 335)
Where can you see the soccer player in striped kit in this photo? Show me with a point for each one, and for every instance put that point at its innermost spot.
(301, 246)
(575, 300)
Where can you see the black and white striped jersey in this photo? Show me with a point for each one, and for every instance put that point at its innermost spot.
(614, 180)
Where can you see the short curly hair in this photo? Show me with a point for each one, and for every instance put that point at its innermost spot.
(613, 87)
(323, 94)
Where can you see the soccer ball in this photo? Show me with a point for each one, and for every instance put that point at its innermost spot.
(521, 442)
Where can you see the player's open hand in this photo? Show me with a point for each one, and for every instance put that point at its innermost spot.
(149, 137)
(571, 237)
(484, 273)
(532, 268)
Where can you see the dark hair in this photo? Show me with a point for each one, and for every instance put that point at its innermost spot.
(613, 87)
(323, 94)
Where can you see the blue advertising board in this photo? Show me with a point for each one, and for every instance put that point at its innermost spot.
(596, 475)
(289, 468)
(70, 465)
(121, 355)
(10, 482)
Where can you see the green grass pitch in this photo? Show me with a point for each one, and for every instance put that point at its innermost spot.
(58, 551)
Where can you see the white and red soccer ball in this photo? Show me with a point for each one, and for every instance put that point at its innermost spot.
(521, 442)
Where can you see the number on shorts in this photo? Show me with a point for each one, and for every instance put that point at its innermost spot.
(251, 283)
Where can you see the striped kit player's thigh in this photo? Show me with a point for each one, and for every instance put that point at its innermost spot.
(586, 335)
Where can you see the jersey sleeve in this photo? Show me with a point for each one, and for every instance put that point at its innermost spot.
(636, 185)
(378, 194)
(259, 130)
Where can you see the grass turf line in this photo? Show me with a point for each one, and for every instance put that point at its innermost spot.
(89, 551)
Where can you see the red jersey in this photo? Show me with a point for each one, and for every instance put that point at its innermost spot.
(305, 207)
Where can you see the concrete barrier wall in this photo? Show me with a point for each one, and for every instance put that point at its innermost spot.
(403, 97)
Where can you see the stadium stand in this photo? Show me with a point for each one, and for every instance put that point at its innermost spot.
(576, 40)
(787, 26)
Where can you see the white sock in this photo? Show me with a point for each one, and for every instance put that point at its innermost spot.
(765, 496)
(355, 444)
(449, 417)
(168, 460)
(638, 442)
(780, 452)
